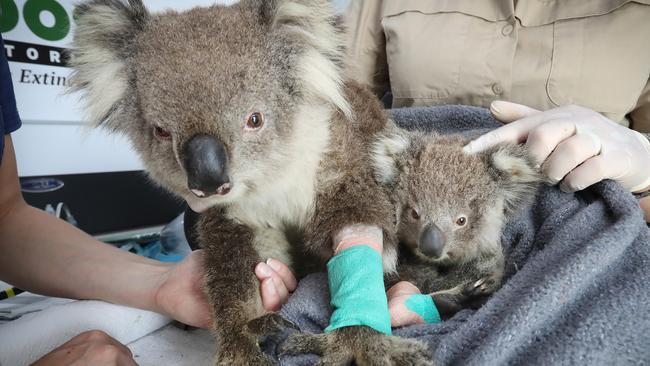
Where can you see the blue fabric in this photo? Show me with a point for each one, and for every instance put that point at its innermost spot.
(9, 118)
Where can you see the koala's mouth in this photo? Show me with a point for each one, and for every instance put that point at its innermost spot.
(221, 191)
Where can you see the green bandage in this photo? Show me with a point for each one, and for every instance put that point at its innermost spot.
(356, 280)
(424, 306)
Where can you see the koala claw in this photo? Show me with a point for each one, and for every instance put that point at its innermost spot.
(358, 345)
(481, 288)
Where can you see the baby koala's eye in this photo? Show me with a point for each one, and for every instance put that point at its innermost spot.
(254, 121)
(161, 134)
(461, 221)
(414, 214)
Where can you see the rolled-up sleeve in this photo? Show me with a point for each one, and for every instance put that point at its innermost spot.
(367, 45)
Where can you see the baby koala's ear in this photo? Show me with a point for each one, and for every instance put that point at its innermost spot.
(388, 152)
(516, 174)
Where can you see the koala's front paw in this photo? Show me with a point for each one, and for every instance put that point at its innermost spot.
(262, 336)
(271, 330)
(240, 350)
(360, 346)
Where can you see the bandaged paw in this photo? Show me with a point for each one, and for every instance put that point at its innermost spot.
(407, 306)
(356, 282)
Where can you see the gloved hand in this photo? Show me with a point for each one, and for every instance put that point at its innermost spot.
(576, 145)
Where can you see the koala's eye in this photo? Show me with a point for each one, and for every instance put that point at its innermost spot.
(461, 221)
(414, 214)
(161, 134)
(254, 121)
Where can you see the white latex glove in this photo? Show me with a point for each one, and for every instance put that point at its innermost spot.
(576, 145)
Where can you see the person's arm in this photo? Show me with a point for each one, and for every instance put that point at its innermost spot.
(46, 255)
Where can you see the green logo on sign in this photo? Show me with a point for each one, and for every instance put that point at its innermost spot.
(32, 14)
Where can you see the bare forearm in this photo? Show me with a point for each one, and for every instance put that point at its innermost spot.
(43, 254)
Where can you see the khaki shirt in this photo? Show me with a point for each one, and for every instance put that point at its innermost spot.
(541, 53)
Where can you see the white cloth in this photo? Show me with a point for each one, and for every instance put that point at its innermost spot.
(25, 340)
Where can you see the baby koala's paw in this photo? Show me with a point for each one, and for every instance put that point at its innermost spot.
(471, 295)
(359, 345)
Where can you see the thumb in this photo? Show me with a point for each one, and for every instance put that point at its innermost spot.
(507, 112)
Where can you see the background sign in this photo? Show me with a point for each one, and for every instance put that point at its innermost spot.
(36, 32)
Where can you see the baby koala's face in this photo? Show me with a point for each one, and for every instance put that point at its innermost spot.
(450, 208)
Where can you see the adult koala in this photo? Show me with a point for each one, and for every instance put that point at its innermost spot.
(244, 112)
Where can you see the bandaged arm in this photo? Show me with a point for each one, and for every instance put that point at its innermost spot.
(356, 280)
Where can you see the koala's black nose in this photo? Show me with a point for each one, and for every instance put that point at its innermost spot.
(206, 164)
(432, 241)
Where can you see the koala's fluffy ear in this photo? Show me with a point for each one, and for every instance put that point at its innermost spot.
(101, 43)
(314, 26)
(515, 172)
(388, 155)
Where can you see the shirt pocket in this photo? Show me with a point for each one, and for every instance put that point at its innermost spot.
(436, 50)
(601, 59)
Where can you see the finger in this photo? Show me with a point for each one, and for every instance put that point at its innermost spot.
(284, 272)
(270, 297)
(107, 355)
(543, 139)
(400, 315)
(280, 287)
(95, 336)
(126, 360)
(402, 288)
(507, 112)
(266, 274)
(605, 166)
(263, 271)
(569, 154)
(515, 132)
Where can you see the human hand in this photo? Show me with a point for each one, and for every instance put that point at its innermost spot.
(89, 348)
(400, 314)
(180, 292)
(277, 282)
(576, 145)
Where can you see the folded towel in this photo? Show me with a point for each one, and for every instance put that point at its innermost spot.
(577, 279)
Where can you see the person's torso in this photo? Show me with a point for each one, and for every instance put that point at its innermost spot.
(542, 53)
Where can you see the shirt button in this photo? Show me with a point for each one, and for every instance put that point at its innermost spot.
(497, 89)
(507, 29)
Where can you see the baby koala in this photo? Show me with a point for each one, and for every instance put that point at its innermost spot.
(451, 208)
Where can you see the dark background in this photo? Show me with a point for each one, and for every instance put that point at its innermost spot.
(108, 202)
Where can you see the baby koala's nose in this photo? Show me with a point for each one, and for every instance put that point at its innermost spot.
(432, 241)
(206, 164)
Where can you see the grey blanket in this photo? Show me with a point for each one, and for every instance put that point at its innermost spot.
(577, 283)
